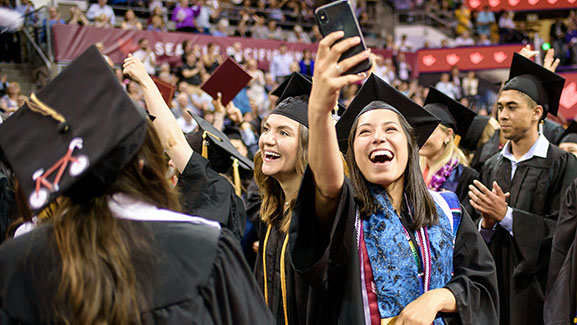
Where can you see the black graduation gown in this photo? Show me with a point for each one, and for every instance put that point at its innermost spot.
(461, 188)
(561, 294)
(522, 261)
(296, 287)
(329, 261)
(199, 277)
(486, 151)
(205, 193)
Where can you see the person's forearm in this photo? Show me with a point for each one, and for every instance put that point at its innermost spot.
(324, 155)
(171, 137)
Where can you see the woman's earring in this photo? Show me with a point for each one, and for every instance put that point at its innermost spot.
(446, 141)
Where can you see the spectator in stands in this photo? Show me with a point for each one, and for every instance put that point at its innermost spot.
(180, 104)
(26, 9)
(273, 31)
(242, 29)
(184, 16)
(446, 86)
(485, 19)
(156, 24)
(280, 64)
(390, 43)
(101, 49)
(165, 75)
(316, 35)
(456, 80)
(186, 123)
(3, 83)
(187, 48)
(307, 63)
(221, 28)
(571, 41)
(235, 52)
(297, 35)
(192, 70)
(404, 45)
(256, 91)
(10, 100)
(135, 93)
(471, 87)
(207, 11)
(348, 93)
(160, 12)
(483, 40)
(389, 72)
(77, 17)
(146, 55)
(464, 39)
(506, 27)
(557, 35)
(130, 21)
(101, 13)
(275, 12)
(403, 67)
(463, 18)
(53, 19)
(444, 43)
(259, 30)
(212, 59)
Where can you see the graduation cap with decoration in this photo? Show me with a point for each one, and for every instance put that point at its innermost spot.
(570, 134)
(378, 94)
(542, 85)
(224, 153)
(452, 114)
(74, 136)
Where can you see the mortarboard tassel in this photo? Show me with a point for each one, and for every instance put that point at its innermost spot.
(204, 145)
(457, 140)
(236, 176)
(38, 106)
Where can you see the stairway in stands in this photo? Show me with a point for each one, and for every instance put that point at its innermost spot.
(21, 73)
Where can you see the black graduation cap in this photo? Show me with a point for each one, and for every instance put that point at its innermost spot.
(542, 85)
(293, 103)
(570, 134)
(376, 89)
(452, 113)
(75, 135)
(227, 153)
(278, 91)
(471, 138)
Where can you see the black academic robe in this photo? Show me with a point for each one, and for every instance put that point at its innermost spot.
(522, 260)
(459, 184)
(297, 289)
(561, 294)
(207, 194)
(486, 151)
(329, 261)
(198, 276)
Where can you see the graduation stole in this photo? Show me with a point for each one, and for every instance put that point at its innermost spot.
(403, 271)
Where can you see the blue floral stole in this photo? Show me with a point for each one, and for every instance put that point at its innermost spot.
(395, 270)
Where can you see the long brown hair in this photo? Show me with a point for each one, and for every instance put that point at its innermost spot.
(415, 191)
(271, 208)
(98, 282)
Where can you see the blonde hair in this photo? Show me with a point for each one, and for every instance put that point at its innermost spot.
(451, 151)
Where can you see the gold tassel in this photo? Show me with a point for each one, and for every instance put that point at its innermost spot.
(204, 145)
(236, 175)
(457, 140)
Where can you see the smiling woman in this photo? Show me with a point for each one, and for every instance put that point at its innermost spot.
(381, 248)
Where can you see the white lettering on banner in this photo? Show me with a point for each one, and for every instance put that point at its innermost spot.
(159, 48)
(169, 48)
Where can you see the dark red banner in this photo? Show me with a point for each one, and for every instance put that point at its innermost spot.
(467, 58)
(521, 5)
(71, 40)
(568, 102)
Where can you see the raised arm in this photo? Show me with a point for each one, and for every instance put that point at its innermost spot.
(324, 156)
(171, 137)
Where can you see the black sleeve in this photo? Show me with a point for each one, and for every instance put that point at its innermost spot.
(319, 256)
(231, 294)
(536, 249)
(205, 193)
(474, 283)
(564, 233)
(467, 177)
